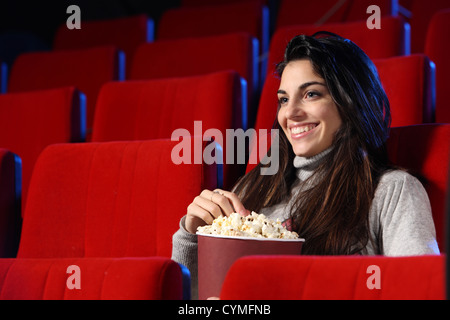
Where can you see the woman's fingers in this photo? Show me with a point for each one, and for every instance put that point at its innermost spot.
(235, 202)
(219, 198)
(197, 216)
(210, 205)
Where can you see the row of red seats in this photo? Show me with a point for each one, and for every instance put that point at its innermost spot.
(90, 68)
(252, 16)
(417, 13)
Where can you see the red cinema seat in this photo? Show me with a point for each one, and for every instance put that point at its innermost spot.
(10, 195)
(30, 121)
(199, 56)
(154, 109)
(409, 82)
(424, 150)
(111, 199)
(217, 19)
(437, 49)
(148, 278)
(422, 12)
(294, 12)
(125, 33)
(86, 69)
(336, 278)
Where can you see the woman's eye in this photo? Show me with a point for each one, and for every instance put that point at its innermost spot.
(282, 100)
(311, 94)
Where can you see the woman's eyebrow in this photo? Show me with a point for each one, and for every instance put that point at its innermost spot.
(307, 84)
(303, 86)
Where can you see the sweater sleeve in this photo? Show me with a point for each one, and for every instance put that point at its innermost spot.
(184, 251)
(404, 219)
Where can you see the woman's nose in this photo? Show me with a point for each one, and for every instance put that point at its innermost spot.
(294, 110)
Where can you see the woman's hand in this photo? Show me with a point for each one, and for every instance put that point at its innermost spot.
(210, 205)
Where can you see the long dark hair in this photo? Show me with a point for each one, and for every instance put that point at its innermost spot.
(333, 215)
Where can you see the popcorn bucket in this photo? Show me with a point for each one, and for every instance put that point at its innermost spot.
(216, 254)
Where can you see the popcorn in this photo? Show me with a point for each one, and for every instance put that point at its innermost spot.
(254, 225)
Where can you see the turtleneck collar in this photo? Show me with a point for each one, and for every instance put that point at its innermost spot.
(306, 165)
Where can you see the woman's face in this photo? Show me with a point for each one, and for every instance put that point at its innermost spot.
(308, 115)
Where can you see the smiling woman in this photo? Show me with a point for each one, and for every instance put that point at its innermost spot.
(335, 117)
(334, 186)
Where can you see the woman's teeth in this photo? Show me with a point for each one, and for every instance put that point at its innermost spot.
(298, 130)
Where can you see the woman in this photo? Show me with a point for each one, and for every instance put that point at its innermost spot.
(334, 186)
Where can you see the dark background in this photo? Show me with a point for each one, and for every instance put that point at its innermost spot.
(43, 17)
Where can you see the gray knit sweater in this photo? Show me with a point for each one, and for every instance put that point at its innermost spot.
(400, 218)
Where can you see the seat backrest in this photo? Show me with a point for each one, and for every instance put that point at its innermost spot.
(199, 56)
(153, 109)
(163, 59)
(409, 85)
(437, 49)
(422, 12)
(125, 33)
(10, 195)
(111, 199)
(424, 150)
(294, 12)
(336, 278)
(149, 278)
(86, 69)
(30, 121)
